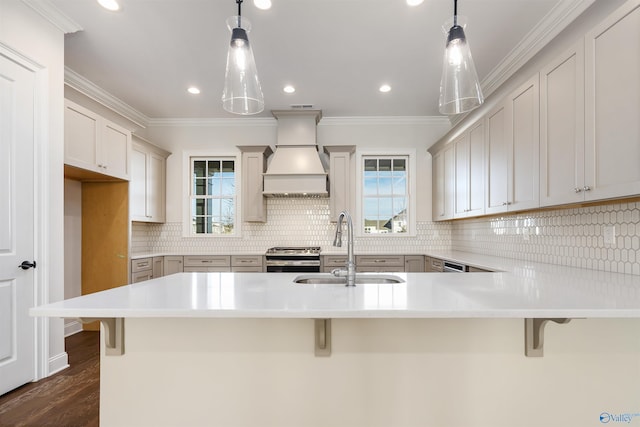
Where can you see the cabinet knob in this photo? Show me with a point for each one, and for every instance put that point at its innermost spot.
(577, 190)
(587, 188)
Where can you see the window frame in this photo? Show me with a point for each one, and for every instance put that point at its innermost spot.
(410, 155)
(187, 167)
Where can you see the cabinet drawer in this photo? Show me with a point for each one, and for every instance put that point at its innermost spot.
(207, 261)
(246, 269)
(379, 269)
(141, 276)
(141, 264)
(437, 265)
(334, 261)
(246, 260)
(205, 269)
(380, 261)
(478, 270)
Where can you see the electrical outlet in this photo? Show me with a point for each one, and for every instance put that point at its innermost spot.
(609, 234)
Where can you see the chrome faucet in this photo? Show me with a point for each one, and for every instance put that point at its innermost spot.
(350, 271)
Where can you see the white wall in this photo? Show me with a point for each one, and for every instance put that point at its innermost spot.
(72, 246)
(223, 138)
(27, 32)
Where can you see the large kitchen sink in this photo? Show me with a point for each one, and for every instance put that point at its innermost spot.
(361, 278)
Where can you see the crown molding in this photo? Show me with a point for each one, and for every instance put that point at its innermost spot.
(549, 27)
(52, 14)
(209, 122)
(95, 92)
(326, 121)
(386, 120)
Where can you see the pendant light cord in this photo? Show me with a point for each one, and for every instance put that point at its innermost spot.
(455, 12)
(239, 13)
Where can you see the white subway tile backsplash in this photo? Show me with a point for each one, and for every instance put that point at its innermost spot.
(292, 222)
(572, 237)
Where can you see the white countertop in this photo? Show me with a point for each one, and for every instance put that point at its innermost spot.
(522, 290)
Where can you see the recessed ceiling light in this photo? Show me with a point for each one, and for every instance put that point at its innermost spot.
(262, 4)
(111, 5)
(414, 2)
(385, 88)
(193, 90)
(289, 89)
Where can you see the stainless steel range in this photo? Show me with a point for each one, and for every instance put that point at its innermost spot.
(293, 259)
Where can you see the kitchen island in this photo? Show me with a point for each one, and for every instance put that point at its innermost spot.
(252, 349)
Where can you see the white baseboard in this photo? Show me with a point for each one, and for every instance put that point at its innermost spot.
(72, 327)
(58, 363)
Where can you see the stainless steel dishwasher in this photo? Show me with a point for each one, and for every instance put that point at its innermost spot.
(454, 267)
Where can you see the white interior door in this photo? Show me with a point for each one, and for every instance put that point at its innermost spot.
(17, 329)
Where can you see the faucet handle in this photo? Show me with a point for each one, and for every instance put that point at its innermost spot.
(339, 272)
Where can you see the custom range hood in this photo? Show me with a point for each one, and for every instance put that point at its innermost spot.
(295, 169)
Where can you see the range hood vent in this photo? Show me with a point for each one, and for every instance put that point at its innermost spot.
(295, 169)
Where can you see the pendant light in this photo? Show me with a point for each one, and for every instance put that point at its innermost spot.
(459, 88)
(242, 92)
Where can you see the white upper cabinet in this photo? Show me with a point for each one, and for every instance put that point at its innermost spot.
(562, 177)
(497, 155)
(612, 105)
(512, 150)
(340, 193)
(444, 183)
(254, 164)
(469, 172)
(147, 188)
(95, 144)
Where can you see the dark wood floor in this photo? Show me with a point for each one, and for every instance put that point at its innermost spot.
(67, 399)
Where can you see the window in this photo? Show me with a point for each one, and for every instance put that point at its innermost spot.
(385, 195)
(213, 196)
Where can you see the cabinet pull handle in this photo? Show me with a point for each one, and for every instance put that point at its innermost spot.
(143, 264)
(380, 260)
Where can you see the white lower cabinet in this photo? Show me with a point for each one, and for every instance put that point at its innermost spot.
(247, 263)
(173, 264)
(212, 263)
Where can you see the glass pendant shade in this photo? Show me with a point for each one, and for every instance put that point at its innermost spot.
(459, 87)
(242, 92)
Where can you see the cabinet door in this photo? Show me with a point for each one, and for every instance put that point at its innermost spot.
(115, 149)
(340, 182)
(254, 164)
(158, 266)
(562, 128)
(476, 169)
(438, 187)
(469, 171)
(156, 187)
(612, 103)
(524, 164)
(137, 185)
(462, 181)
(414, 263)
(80, 137)
(497, 152)
(172, 265)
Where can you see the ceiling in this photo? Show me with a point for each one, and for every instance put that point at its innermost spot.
(336, 53)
